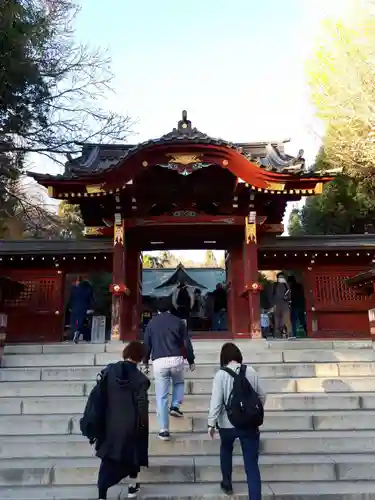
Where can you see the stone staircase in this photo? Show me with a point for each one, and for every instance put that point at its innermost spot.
(318, 440)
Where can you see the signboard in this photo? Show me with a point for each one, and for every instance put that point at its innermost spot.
(3, 320)
(98, 330)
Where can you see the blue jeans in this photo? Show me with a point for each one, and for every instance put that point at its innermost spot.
(219, 321)
(163, 378)
(250, 450)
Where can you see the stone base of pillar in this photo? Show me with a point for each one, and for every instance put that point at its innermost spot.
(3, 335)
(116, 318)
(371, 317)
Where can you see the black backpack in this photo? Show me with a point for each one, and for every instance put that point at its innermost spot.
(244, 407)
(93, 421)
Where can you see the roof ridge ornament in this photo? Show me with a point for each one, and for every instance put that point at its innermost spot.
(185, 131)
(184, 125)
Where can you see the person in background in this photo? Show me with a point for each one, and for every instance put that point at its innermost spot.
(281, 300)
(81, 306)
(297, 306)
(167, 341)
(116, 421)
(209, 309)
(220, 299)
(265, 323)
(197, 313)
(183, 300)
(231, 357)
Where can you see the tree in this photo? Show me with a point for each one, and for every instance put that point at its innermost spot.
(50, 87)
(342, 74)
(71, 220)
(167, 259)
(295, 224)
(210, 259)
(49, 98)
(346, 206)
(151, 261)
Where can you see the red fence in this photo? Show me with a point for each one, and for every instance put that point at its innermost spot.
(334, 309)
(37, 315)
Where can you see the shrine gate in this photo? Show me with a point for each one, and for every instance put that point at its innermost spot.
(185, 190)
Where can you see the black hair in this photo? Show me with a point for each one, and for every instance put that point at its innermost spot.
(135, 351)
(230, 352)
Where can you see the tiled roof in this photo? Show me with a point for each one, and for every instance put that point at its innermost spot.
(156, 282)
(38, 247)
(98, 158)
(363, 278)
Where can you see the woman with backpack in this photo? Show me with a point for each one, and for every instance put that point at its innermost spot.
(236, 410)
(116, 421)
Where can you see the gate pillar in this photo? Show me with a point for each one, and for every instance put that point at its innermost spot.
(251, 276)
(132, 306)
(118, 287)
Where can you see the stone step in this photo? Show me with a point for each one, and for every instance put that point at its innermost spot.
(337, 490)
(293, 402)
(292, 370)
(199, 386)
(201, 371)
(195, 444)
(14, 425)
(274, 468)
(200, 346)
(257, 357)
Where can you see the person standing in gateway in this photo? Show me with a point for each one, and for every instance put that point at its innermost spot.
(183, 300)
(167, 341)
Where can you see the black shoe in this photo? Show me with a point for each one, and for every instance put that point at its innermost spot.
(133, 490)
(228, 490)
(164, 435)
(176, 412)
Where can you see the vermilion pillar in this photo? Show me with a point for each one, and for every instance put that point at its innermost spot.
(118, 287)
(238, 311)
(251, 273)
(132, 303)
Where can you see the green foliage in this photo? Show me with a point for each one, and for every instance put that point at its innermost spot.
(295, 224)
(103, 297)
(346, 206)
(50, 87)
(210, 259)
(71, 220)
(341, 75)
(151, 261)
(24, 92)
(167, 259)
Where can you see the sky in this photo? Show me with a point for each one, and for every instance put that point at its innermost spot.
(237, 67)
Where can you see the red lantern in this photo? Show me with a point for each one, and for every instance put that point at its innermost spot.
(119, 289)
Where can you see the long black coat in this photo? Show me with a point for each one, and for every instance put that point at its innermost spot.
(126, 429)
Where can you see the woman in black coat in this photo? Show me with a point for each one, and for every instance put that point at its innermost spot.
(124, 447)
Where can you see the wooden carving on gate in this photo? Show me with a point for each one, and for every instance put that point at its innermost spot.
(184, 163)
(119, 235)
(251, 228)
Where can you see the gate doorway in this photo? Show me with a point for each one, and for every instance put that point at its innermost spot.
(194, 288)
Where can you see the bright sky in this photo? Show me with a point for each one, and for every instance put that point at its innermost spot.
(237, 67)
